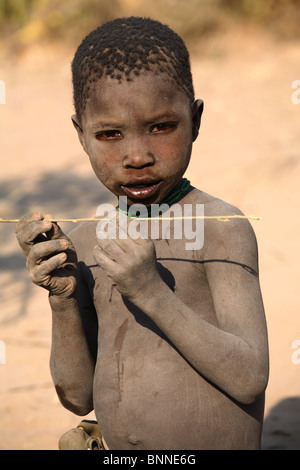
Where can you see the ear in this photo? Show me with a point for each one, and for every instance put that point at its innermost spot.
(79, 130)
(197, 111)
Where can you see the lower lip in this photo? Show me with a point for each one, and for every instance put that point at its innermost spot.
(140, 193)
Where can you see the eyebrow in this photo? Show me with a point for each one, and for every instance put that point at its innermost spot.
(105, 125)
(155, 118)
(163, 116)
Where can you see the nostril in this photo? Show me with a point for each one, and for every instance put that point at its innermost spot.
(137, 159)
(139, 166)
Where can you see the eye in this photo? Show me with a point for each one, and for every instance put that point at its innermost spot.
(108, 135)
(163, 128)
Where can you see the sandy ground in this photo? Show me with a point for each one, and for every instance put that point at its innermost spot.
(248, 153)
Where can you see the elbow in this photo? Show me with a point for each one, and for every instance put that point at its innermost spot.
(78, 409)
(247, 397)
(78, 405)
(251, 389)
(251, 383)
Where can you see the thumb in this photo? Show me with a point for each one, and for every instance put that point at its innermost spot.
(55, 231)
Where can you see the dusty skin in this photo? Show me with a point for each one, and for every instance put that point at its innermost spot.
(32, 386)
(170, 321)
(138, 363)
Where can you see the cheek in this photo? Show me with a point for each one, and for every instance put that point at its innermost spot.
(184, 146)
(177, 153)
(102, 165)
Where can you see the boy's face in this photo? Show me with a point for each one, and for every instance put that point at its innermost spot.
(139, 135)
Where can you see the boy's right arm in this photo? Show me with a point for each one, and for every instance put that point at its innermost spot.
(52, 262)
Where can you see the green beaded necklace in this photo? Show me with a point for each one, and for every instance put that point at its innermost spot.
(174, 196)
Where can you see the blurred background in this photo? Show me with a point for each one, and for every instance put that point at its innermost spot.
(24, 22)
(245, 57)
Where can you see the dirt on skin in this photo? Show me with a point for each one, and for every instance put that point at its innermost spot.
(247, 153)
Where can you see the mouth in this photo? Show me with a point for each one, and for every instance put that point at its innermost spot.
(141, 190)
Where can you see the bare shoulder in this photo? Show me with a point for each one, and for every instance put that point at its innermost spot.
(231, 238)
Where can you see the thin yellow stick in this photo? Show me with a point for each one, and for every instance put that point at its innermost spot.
(224, 218)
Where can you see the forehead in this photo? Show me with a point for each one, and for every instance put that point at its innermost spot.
(145, 94)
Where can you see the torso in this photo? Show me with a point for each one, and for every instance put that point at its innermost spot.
(146, 395)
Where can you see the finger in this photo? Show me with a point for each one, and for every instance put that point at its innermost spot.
(55, 231)
(133, 231)
(40, 274)
(103, 259)
(41, 251)
(116, 247)
(106, 236)
(28, 218)
(110, 248)
(107, 264)
(30, 232)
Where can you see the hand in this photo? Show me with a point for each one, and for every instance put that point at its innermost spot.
(129, 263)
(50, 255)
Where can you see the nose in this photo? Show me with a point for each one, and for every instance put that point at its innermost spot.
(138, 155)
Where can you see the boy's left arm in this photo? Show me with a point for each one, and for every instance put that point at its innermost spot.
(234, 355)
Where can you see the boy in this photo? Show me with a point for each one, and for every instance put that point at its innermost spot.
(167, 345)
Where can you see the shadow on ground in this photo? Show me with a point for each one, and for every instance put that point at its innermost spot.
(62, 194)
(282, 426)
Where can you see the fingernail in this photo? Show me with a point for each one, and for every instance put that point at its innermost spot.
(64, 242)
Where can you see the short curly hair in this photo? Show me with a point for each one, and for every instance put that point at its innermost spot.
(124, 48)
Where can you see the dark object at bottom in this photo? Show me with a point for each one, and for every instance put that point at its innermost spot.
(86, 436)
